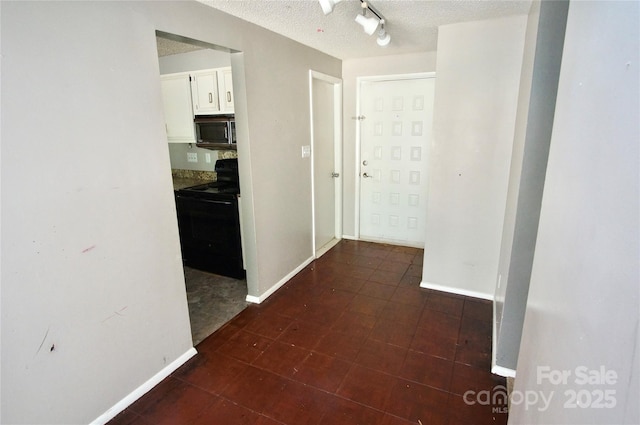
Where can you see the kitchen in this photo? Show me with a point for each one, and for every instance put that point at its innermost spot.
(199, 113)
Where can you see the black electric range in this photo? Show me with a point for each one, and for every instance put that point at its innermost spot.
(209, 223)
(213, 190)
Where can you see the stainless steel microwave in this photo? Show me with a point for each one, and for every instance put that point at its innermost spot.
(215, 131)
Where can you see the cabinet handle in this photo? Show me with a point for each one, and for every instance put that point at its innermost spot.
(228, 96)
(210, 98)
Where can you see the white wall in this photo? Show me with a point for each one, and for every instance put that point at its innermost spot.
(90, 252)
(583, 306)
(367, 67)
(478, 77)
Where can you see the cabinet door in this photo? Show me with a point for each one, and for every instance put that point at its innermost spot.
(204, 91)
(225, 86)
(178, 115)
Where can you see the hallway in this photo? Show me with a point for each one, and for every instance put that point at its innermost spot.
(351, 339)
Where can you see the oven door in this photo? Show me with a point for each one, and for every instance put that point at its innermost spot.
(210, 235)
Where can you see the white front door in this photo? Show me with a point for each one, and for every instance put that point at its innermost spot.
(395, 134)
(326, 148)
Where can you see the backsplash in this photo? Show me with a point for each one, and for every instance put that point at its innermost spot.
(181, 173)
(185, 156)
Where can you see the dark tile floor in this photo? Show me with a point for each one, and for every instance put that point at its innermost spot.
(351, 339)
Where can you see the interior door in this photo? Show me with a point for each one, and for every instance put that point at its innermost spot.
(325, 115)
(395, 133)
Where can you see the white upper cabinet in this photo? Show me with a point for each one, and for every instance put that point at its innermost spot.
(204, 92)
(212, 91)
(178, 114)
(185, 94)
(225, 89)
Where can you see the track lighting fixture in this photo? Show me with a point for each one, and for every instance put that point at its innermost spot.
(328, 5)
(369, 24)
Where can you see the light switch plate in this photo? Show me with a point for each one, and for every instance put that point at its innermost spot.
(306, 151)
(192, 157)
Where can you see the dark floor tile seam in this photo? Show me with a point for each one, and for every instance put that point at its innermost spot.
(146, 414)
(352, 363)
(289, 381)
(386, 411)
(219, 395)
(244, 329)
(218, 391)
(366, 336)
(404, 274)
(380, 318)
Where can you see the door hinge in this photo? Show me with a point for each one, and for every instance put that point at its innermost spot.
(334, 174)
(359, 118)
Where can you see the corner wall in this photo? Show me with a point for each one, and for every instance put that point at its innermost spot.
(539, 85)
(478, 78)
(583, 305)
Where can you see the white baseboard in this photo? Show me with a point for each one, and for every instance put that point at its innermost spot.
(457, 291)
(349, 237)
(274, 288)
(333, 242)
(503, 371)
(144, 388)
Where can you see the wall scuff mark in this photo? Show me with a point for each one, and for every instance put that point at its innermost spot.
(88, 249)
(42, 343)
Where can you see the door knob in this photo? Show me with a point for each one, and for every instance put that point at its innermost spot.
(365, 175)
(365, 162)
(334, 174)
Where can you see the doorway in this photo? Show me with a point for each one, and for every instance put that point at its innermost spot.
(395, 114)
(212, 299)
(326, 165)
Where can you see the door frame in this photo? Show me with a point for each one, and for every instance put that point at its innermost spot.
(337, 160)
(359, 83)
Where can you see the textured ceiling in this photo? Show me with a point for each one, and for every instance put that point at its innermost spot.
(412, 24)
(168, 47)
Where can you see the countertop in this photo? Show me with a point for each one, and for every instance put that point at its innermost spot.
(182, 182)
(188, 178)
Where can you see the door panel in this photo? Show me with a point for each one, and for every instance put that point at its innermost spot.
(324, 158)
(326, 144)
(395, 134)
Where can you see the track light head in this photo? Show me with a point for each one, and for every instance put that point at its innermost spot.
(328, 5)
(383, 37)
(368, 24)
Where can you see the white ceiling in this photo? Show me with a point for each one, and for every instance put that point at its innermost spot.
(412, 24)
